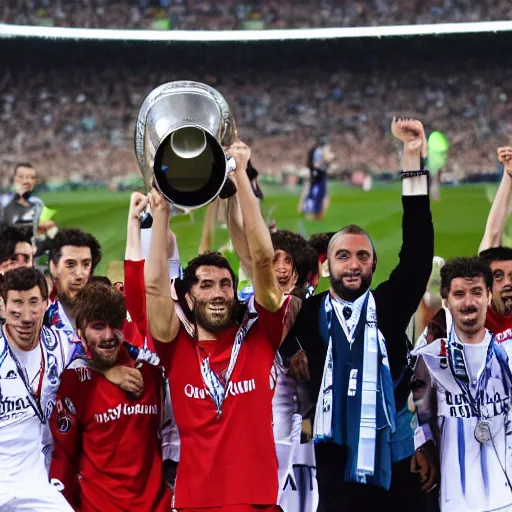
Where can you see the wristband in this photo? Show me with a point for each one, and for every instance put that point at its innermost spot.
(412, 174)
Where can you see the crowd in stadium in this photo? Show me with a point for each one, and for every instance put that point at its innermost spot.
(236, 14)
(79, 120)
(220, 388)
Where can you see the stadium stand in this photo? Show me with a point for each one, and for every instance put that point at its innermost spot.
(70, 108)
(236, 14)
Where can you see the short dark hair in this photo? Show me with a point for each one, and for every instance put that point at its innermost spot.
(288, 241)
(23, 279)
(208, 258)
(353, 229)
(21, 164)
(75, 238)
(96, 302)
(101, 279)
(496, 254)
(320, 241)
(465, 268)
(9, 237)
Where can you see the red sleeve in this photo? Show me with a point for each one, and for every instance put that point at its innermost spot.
(272, 324)
(165, 351)
(132, 335)
(66, 429)
(135, 294)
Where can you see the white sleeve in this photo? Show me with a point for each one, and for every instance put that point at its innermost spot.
(174, 261)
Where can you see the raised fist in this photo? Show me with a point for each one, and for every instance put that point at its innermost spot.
(138, 202)
(505, 157)
(411, 133)
(159, 206)
(241, 153)
(505, 154)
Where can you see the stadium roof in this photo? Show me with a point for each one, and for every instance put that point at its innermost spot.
(23, 31)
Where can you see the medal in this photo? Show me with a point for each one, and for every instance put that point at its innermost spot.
(216, 387)
(483, 432)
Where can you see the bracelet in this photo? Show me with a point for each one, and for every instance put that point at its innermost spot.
(412, 174)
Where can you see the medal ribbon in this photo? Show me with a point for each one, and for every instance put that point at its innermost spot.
(458, 366)
(216, 389)
(33, 396)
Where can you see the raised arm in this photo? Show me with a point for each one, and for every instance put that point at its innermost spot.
(163, 322)
(402, 292)
(266, 289)
(133, 251)
(500, 208)
(134, 291)
(237, 233)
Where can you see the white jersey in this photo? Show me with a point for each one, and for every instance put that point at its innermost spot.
(24, 435)
(298, 487)
(472, 474)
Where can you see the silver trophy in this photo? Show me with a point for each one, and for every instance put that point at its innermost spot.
(182, 128)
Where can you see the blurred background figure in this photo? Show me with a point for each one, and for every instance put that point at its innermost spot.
(438, 146)
(24, 210)
(320, 158)
(21, 207)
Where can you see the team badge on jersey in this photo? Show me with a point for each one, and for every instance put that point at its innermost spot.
(49, 340)
(63, 421)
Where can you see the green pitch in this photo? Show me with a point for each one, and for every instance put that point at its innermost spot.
(459, 219)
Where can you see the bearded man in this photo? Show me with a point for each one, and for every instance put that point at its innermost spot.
(107, 442)
(347, 334)
(221, 394)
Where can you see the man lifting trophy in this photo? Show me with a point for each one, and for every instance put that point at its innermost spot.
(220, 356)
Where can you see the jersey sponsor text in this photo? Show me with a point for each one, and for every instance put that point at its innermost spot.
(126, 410)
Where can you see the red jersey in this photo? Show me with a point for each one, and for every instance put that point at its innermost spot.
(226, 460)
(499, 325)
(107, 451)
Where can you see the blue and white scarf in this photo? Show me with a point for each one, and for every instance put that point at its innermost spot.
(323, 428)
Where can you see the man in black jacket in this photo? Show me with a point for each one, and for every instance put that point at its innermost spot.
(354, 360)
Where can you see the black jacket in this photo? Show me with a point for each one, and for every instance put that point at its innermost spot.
(396, 299)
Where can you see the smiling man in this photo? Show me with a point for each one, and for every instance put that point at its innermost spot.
(32, 358)
(347, 334)
(73, 256)
(461, 390)
(499, 313)
(220, 390)
(108, 450)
